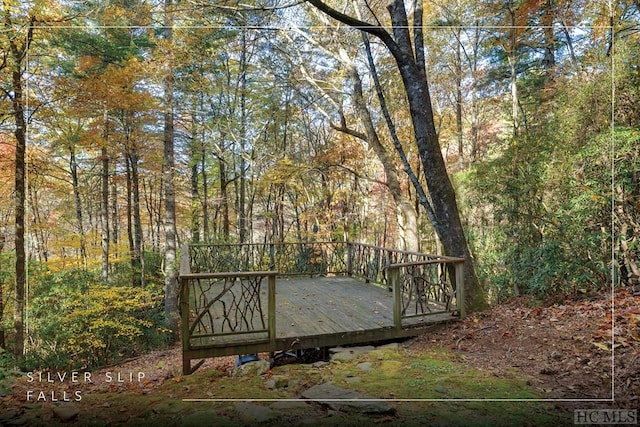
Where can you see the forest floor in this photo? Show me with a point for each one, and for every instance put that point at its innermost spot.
(549, 359)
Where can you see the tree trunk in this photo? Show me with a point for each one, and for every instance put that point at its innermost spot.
(73, 167)
(224, 199)
(130, 239)
(205, 193)
(104, 204)
(458, 99)
(20, 179)
(447, 222)
(138, 273)
(171, 274)
(115, 229)
(406, 214)
(242, 196)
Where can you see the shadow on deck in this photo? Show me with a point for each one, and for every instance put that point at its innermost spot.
(309, 295)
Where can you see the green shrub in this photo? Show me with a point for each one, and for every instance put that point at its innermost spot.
(77, 322)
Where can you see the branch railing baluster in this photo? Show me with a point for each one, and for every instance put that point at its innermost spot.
(210, 273)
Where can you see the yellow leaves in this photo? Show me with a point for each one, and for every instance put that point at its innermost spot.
(285, 171)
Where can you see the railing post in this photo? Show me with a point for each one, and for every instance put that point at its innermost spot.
(394, 283)
(460, 288)
(185, 268)
(184, 319)
(272, 310)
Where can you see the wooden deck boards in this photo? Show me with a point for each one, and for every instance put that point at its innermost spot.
(318, 312)
(330, 305)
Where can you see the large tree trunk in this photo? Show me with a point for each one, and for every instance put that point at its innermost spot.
(171, 274)
(446, 219)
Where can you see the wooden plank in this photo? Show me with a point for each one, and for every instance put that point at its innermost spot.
(319, 312)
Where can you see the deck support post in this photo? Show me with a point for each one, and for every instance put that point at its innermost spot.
(460, 287)
(271, 310)
(396, 286)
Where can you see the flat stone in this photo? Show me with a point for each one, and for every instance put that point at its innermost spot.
(365, 366)
(250, 412)
(390, 346)
(66, 412)
(257, 368)
(198, 419)
(343, 356)
(340, 399)
(320, 364)
(442, 389)
(285, 405)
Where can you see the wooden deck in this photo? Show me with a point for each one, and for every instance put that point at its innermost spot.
(337, 305)
(347, 299)
(323, 312)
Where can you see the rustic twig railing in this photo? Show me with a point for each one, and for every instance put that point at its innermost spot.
(228, 291)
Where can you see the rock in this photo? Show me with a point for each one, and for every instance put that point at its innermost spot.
(320, 364)
(340, 399)
(441, 389)
(250, 412)
(390, 346)
(252, 368)
(343, 356)
(365, 366)
(293, 384)
(198, 419)
(276, 382)
(66, 412)
(285, 405)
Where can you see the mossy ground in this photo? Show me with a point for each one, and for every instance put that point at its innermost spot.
(434, 388)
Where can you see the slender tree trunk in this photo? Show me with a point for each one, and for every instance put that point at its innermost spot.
(224, 200)
(458, 99)
(115, 230)
(104, 203)
(205, 193)
(195, 196)
(73, 167)
(407, 218)
(19, 207)
(171, 273)
(512, 59)
(41, 237)
(242, 196)
(137, 222)
(132, 246)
